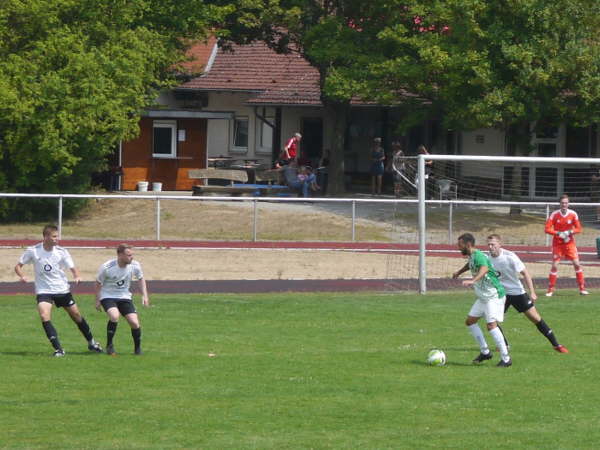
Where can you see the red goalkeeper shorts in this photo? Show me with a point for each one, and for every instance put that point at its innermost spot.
(564, 251)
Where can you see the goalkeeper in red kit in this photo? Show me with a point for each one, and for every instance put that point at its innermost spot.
(563, 224)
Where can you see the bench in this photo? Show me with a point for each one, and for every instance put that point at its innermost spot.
(222, 191)
(232, 176)
(269, 176)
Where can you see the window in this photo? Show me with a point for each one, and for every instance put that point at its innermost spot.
(164, 135)
(265, 136)
(240, 134)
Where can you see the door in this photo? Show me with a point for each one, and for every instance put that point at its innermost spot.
(311, 145)
(547, 181)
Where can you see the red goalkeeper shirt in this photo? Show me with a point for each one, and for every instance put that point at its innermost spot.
(558, 222)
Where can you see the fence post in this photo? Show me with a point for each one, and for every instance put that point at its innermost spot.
(254, 222)
(422, 224)
(450, 223)
(157, 219)
(547, 215)
(60, 214)
(353, 221)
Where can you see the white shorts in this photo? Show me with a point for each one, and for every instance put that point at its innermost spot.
(492, 310)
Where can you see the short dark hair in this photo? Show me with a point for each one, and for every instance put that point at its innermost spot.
(563, 196)
(122, 247)
(49, 229)
(467, 238)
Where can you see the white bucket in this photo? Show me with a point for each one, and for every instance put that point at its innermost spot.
(157, 187)
(142, 186)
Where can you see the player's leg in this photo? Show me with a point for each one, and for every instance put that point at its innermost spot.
(553, 276)
(534, 316)
(110, 307)
(127, 310)
(494, 314)
(72, 309)
(471, 322)
(579, 274)
(44, 308)
(136, 332)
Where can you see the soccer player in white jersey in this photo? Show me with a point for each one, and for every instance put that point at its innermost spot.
(489, 303)
(113, 293)
(52, 286)
(509, 266)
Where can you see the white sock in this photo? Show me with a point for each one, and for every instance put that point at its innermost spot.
(499, 340)
(479, 338)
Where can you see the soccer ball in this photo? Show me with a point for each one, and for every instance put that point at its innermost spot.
(436, 358)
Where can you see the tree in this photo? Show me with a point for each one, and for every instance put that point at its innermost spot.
(494, 64)
(475, 63)
(74, 77)
(505, 64)
(336, 37)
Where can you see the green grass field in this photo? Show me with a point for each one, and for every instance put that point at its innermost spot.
(300, 371)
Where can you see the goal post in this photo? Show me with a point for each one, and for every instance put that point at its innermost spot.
(511, 162)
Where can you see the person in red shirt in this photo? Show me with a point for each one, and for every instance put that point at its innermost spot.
(290, 151)
(563, 224)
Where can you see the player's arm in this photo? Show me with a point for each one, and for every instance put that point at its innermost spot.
(483, 270)
(576, 226)
(462, 270)
(20, 273)
(529, 283)
(98, 288)
(76, 276)
(144, 290)
(287, 148)
(549, 229)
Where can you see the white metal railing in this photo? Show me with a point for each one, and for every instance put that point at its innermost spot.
(507, 159)
(353, 202)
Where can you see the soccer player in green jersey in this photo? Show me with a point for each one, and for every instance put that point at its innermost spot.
(489, 303)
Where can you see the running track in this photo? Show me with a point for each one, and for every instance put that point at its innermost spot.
(527, 254)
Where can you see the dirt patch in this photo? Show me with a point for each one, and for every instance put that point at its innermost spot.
(272, 264)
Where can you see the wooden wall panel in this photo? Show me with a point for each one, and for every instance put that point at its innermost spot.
(139, 165)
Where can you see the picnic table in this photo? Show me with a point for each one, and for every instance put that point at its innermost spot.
(249, 190)
(233, 189)
(220, 161)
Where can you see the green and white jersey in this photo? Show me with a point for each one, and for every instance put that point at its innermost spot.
(489, 287)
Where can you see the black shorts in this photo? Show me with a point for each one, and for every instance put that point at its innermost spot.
(125, 306)
(520, 302)
(60, 300)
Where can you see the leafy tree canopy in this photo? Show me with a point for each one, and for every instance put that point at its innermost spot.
(74, 76)
(494, 63)
(478, 62)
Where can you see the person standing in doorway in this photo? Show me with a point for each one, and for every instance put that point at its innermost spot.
(377, 166)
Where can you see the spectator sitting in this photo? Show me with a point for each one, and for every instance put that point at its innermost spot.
(302, 179)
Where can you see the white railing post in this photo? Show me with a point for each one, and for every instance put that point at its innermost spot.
(353, 221)
(547, 215)
(254, 221)
(422, 232)
(158, 219)
(450, 223)
(60, 216)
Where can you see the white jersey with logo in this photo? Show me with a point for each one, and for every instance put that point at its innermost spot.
(116, 280)
(509, 266)
(50, 278)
